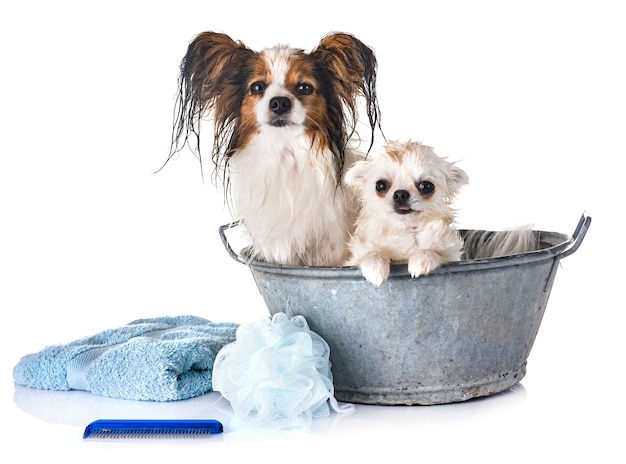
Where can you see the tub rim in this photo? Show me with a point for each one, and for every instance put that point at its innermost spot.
(559, 246)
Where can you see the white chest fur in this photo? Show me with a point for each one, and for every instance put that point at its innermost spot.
(285, 191)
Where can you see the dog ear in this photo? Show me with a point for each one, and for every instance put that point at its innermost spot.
(356, 176)
(214, 66)
(456, 178)
(213, 62)
(351, 62)
(353, 66)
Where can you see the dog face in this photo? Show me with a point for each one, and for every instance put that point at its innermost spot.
(274, 91)
(283, 91)
(406, 182)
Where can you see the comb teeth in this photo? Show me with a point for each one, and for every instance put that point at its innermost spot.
(117, 429)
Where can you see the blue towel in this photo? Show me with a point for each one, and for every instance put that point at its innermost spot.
(160, 359)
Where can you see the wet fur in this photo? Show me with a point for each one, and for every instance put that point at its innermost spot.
(282, 175)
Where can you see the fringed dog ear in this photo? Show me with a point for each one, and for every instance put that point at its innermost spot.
(353, 67)
(214, 66)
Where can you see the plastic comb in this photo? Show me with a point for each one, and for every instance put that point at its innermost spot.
(114, 428)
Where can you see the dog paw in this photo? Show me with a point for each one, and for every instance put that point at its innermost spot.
(375, 270)
(423, 263)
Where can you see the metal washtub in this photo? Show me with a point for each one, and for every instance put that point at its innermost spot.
(463, 331)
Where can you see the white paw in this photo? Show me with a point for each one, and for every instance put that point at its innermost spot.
(423, 263)
(375, 270)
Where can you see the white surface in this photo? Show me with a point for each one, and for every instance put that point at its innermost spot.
(529, 99)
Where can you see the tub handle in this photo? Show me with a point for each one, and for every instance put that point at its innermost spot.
(229, 249)
(578, 235)
(577, 238)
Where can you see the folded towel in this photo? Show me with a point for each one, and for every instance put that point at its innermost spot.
(160, 359)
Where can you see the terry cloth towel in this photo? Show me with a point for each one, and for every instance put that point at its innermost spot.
(160, 359)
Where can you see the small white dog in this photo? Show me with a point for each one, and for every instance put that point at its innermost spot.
(405, 214)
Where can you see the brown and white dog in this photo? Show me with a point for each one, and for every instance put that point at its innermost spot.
(284, 120)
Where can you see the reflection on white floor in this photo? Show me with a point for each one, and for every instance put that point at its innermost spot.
(78, 408)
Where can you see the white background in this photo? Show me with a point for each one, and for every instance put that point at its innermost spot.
(529, 98)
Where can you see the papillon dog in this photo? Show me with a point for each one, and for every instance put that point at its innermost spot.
(284, 123)
(405, 215)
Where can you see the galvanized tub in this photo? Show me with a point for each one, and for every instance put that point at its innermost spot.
(463, 331)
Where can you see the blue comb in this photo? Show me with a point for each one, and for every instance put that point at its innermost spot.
(113, 428)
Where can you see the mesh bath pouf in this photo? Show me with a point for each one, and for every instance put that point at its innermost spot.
(277, 372)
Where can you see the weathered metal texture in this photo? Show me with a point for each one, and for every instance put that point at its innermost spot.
(463, 331)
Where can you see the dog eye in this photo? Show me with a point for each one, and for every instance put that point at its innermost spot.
(257, 88)
(382, 186)
(304, 88)
(425, 187)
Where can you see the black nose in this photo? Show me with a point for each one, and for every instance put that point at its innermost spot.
(280, 105)
(400, 196)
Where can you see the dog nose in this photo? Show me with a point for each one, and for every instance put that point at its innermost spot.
(280, 105)
(400, 196)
